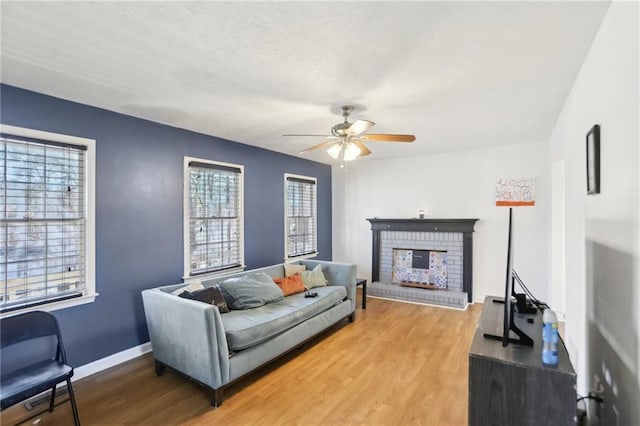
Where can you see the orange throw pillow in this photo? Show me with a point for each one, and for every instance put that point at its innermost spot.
(290, 285)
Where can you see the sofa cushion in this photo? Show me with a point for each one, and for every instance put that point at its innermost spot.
(250, 291)
(245, 329)
(290, 285)
(314, 278)
(211, 295)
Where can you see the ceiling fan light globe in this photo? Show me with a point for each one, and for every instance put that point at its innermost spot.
(334, 151)
(351, 152)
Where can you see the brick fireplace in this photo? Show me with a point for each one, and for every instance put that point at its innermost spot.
(395, 241)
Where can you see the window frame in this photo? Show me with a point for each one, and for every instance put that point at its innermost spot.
(90, 225)
(187, 275)
(288, 258)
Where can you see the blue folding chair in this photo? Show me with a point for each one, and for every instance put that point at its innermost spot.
(37, 335)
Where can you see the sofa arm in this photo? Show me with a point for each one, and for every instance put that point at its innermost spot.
(188, 336)
(337, 273)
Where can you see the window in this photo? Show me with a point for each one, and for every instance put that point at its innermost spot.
(47, 223)
(213, 214)
(301, 238)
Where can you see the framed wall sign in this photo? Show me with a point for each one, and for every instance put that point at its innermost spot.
(593, 160)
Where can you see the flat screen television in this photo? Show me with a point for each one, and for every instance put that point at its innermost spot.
(509, 308)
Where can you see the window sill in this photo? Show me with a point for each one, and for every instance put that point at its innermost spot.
(211, 275)
(304, 256)
(54, 306)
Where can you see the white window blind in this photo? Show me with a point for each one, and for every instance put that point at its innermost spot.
(43, 218)
(215, 217)
(300, 216)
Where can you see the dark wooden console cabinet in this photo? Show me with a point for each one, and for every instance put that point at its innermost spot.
(510, 385)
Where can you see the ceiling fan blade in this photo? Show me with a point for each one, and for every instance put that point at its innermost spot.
(389, 138)
(359, 126)
(363, 148)
(321, 136)
(319, 146)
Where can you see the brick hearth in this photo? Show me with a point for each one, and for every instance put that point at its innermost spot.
(451, 235)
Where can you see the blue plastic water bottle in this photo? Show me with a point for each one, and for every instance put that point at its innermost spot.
(549, 338)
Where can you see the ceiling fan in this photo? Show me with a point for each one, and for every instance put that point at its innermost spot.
(346, 139)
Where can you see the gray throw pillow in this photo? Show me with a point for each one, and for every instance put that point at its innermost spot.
(314, 278)
(250, 291)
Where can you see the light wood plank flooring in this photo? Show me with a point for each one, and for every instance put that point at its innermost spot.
(398, 364)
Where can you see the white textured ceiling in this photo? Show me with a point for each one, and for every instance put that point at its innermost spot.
(458, 75)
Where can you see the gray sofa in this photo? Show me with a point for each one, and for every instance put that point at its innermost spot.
(217, 349)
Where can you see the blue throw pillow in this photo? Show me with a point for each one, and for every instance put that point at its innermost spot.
(250, 291)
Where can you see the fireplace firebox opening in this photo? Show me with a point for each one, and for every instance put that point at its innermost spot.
(420, 268)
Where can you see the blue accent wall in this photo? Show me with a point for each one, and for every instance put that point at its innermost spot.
(139, 202)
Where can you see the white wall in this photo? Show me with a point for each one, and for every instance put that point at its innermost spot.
(450, 185)
(601, 232)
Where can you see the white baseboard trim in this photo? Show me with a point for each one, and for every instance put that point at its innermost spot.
(110, 361)
(421, 303)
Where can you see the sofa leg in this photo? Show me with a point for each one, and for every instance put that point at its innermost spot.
(216, 397)
(160, 367)
(352, 317)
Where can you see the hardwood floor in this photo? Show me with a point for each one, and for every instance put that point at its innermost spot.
(397, 364)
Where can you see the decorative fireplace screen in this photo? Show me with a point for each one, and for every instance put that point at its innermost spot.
(420, 268)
